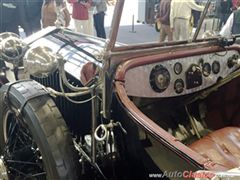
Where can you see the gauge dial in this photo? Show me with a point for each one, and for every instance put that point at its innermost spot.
(206, 69)
(179, 86)
(215, 67)
(159, 78)
(177, 68)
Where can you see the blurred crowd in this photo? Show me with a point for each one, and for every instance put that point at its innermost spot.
(177, 17)
(32, 15)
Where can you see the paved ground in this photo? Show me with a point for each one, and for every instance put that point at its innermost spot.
(131, 33)
(142, 33)
(139, 34)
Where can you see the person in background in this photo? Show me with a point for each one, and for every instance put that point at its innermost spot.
(111, 2)
(196, 14)
(218, 13)
(164, 18)
(232, 25)
(63, 15)
(225, 11)
(91, 11)
(8, 12)
(180, 15)
(49, 15)
(234, 5)
(55, 13)
(101, 8)
(80, 15)
(31, 15)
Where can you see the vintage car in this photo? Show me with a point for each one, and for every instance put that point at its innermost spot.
(87, 108)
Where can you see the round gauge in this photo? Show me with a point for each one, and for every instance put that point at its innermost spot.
(206, 69)
(159, 78)
(215, 67)
(177, 68)
(179, 86)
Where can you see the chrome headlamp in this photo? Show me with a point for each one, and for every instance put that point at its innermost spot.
(40, 61)
(11, 47)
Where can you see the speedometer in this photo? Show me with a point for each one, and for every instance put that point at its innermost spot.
(159, 78)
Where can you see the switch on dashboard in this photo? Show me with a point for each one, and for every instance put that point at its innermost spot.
(193, 76)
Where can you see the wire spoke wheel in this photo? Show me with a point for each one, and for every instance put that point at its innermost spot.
(34, 139)
(21, 154)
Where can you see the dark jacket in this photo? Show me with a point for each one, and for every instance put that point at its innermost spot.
(164, 12)
(8, 16)
(30, 11)
(8, 10)
(33, 9)
(236, 22)
(226, 7)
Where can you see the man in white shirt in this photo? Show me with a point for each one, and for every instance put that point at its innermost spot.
(180, 15)
(232, 26)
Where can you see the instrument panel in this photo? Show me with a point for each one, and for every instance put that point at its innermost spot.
(180, 76)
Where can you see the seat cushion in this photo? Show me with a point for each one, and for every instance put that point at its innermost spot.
(221, 147)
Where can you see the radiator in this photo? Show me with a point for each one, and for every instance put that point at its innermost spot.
(77, 116)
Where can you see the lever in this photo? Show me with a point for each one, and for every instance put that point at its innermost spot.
(105, 128)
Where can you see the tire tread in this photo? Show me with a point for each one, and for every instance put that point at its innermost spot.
(53, 127)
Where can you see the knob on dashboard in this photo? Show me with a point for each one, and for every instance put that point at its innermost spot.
(193, 76)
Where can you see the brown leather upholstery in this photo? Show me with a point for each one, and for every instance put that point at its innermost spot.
(221, 146)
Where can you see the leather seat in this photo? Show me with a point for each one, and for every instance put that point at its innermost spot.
(221, 147)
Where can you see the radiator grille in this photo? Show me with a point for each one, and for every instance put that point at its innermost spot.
(77, 116)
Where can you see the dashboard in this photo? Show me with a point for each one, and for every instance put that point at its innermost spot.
(181, 76)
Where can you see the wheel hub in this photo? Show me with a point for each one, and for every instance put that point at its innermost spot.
(3, 170)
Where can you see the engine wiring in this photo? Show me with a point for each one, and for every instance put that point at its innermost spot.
(72, 94)
(68, 98)
(78, 91)
(64, 78)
